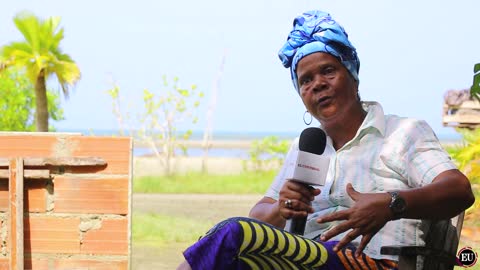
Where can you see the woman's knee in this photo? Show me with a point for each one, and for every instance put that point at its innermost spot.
(228, 224)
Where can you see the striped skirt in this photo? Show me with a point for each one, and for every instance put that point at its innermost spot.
(242, 243)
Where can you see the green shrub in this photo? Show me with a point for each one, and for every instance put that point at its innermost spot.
(266, 154)
(467, 157)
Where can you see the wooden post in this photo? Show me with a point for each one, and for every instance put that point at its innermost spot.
(15, 192)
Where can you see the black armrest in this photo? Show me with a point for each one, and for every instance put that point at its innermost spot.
(411, 251)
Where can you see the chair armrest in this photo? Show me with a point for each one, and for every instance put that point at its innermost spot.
(411, 251)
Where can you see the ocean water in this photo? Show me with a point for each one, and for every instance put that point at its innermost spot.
(234, 136)
(198, 152)
(198, 135)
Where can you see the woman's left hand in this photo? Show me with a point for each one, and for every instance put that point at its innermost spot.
(366, 217)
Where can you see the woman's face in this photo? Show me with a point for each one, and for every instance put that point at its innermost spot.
(326, 87)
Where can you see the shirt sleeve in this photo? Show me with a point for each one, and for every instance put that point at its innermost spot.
(274, 189)
(425, 158)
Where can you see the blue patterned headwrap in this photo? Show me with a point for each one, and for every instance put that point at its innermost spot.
(316, 31)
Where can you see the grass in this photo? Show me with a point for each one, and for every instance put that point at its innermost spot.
(161, 230)
(159, 240)
(243, 183)
(166, 236)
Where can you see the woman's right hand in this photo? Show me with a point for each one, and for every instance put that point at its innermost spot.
(296, 199)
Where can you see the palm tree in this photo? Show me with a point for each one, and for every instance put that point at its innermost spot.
(41, 57)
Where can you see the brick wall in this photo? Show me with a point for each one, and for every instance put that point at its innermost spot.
(79, 218)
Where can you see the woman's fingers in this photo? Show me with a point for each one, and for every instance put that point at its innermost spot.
(349, 237)
(336, 230)
(300, 205)
(287, 213)
(305, 190)
(296, 199)
(365, 240)
(296, 191)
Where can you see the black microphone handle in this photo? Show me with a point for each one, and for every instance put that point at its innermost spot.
(297, 226)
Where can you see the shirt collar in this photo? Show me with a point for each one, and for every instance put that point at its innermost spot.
(375, 117)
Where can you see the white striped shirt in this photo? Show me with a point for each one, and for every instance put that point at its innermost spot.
(387, 153)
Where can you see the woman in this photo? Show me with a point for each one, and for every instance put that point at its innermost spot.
(387, 175)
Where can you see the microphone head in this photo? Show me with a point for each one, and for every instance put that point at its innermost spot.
(313, 140)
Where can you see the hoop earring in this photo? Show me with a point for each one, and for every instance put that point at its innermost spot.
(311, 118)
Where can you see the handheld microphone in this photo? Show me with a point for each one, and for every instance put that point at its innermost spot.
(311, 144)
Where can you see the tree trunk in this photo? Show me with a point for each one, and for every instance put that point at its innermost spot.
(41, 111)
(207, 134)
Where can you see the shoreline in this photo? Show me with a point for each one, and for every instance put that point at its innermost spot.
(234, 143)
(246, 143)
(224, 157)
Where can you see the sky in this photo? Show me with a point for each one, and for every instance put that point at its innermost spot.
(411, 53)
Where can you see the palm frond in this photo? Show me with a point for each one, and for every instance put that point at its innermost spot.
(68, 74)
(29, 25)
(51, 34)
(16, 46)
(17, 54)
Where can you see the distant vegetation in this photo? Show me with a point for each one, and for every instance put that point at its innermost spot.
(467, 154)
(467, 157)
(17, 102)
(164, 110)
(267, 154)
(40, 57)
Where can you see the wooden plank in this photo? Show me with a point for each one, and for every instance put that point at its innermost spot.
(64, 161)
(16, 213)
(461, 125)
(36, 174)
(472, 119)
(58, 161)
(466, 114)
(28, 174)
(467, 104)
(130, 206)
(458, 223)
(19, 213)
